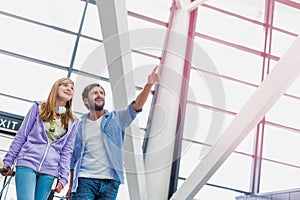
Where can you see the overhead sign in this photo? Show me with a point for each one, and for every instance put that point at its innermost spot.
(10, 123)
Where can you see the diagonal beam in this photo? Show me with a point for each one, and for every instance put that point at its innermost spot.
(113, 18)
(270, 90)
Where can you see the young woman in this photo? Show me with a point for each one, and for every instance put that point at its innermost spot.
(43, 145)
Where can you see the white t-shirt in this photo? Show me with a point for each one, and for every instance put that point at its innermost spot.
(95, 163)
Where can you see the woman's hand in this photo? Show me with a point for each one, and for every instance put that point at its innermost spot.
(7, 171)
(59, 187)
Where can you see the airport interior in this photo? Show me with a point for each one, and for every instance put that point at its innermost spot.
(221, 124)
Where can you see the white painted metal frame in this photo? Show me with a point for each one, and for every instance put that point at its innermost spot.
(113, 18)
(189, 6)
(162, 130)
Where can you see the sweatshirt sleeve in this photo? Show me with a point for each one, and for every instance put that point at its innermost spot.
(66, 155)
(21, 135)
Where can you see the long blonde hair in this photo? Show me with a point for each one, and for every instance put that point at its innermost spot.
(47, 107)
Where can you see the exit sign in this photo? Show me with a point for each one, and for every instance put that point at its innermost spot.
(10, 123)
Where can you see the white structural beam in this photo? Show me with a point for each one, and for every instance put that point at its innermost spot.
(162, 130)
(113, 19)
(189, 6)
(193, 5)
(178, 4)
(270, 90)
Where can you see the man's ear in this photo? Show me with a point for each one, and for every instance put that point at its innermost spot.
(86, 101)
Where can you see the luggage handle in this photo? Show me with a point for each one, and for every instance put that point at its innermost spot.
(5, 182)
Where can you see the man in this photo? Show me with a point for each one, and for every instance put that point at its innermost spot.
(97, 161)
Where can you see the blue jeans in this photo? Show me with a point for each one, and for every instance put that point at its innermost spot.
(96, 189)
(32, 185)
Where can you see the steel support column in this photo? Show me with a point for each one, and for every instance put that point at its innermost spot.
(258, 146)
(169, 105)
(113, 19)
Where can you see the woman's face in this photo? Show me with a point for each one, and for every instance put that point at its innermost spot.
(65, 92)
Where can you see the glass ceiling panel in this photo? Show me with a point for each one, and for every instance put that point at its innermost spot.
(190, 157)
(252, 9)
(18, 80)
(157, 9)
(229, 28)
(210, 193)
(91, 26)
(194, 93)
(231, 94)
(275, 176)
(90, 57)
(227, 61)
(204, 125)
(284, 111)
(143, 66)
(206, 89)
(234, 172)
(247, 145)
(281, 144)
(236, 95)
(14, 106)
(142, 36)
(63, 14)
(287, 18)
(33, 41)
(273, 64)
(280, 43)
(294, 89)
(5, 143)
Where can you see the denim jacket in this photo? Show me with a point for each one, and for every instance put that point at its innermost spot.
(30, 147)
(113, 126)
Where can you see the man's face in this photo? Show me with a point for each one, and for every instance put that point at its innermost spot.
(96, 99)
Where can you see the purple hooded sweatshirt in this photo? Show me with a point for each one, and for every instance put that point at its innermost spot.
(30, 147)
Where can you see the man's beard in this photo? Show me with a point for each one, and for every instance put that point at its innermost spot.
(99, 108)
(96, 107)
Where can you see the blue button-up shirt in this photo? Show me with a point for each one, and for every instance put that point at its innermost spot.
(113, 125)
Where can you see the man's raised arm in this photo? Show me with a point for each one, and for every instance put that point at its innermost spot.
(142, 97)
